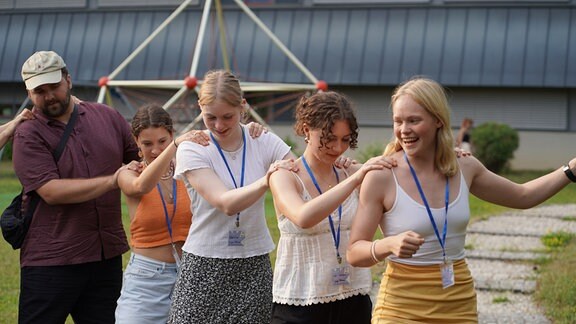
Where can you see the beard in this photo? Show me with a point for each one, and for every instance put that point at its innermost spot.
(57, 108)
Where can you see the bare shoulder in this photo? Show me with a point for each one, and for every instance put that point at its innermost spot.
(471, 167)
(281, 179)
(376, 181)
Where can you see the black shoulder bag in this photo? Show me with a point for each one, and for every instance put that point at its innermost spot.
(15, 221)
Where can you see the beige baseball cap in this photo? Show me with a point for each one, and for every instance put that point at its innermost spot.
(44, 67)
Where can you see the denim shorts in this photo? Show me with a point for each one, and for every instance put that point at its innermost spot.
(146, 291)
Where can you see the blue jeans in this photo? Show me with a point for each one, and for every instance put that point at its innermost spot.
(146, 291)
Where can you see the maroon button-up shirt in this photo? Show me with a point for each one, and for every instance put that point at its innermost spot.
(98, 145)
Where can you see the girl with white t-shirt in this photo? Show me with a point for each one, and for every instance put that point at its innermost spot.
(226, 276)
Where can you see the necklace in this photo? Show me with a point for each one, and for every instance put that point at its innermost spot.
(328, 184)
(169, 174)
(167, 188)
(233, 154)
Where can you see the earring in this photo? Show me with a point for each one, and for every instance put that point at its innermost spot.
(140, 155)
(306, 140)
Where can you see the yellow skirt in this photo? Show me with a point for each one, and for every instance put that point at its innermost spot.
(414, 294)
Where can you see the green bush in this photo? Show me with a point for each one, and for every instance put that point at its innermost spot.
(494, 145)
(293, 144)
(372, 150)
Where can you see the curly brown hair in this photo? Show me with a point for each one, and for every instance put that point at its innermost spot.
(321, 110)
(151, 115)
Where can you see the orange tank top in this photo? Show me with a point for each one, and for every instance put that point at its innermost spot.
(149, 228)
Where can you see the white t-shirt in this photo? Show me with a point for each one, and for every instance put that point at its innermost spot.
(209, 234)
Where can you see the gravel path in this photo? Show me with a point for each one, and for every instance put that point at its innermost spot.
(502, 252)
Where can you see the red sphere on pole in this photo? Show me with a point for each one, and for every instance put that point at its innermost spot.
(321, 85)
(190, 82)
(103, 81)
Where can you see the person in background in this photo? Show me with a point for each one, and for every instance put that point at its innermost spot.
(71, 258)
(226, 276)
(160, 217)
(463, 139)
(422, 208)
(7, 130)
(313, 282)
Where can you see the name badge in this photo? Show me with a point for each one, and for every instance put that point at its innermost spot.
(235, 238)
(447, 269)
(341, 276)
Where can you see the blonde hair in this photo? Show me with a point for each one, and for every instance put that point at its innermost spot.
(431, 96)
(220, 85)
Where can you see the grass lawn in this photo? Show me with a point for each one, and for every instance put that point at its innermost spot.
(556, 304)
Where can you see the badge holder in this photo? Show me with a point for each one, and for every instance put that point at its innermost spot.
(447, 270)
(341, 275)
(235, 237)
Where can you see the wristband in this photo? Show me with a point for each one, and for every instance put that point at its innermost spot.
(373, 251)
(568, 172)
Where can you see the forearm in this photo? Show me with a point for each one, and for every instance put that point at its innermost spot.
(317, 209)
(368, 253)
(4, 138)
(234, 201)
(73, 191)
(6, 132)
(541, 189)
(154, 171)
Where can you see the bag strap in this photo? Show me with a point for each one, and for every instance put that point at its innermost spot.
(58, 152)
(35, 198)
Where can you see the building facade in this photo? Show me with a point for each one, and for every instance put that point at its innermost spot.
(512, 62)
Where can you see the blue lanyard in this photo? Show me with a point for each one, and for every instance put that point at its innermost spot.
(335, 234)
(446, 201)
(168, 219)
(228, 166)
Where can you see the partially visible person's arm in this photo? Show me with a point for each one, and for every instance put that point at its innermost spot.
(133, 184)
(7, 130)
(496, 189)
(74, 191)
(306, 214)
(231, 202)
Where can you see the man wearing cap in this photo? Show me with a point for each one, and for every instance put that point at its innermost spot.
(71, 259)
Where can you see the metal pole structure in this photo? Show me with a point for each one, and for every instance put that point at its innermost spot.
(192, 124)
(141, 47)
(196, 57)
(149, 39)
(223, 45)
(276, 41)
(101, 94)
(257, 117)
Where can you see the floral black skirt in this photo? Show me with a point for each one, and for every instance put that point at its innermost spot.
(211, 290)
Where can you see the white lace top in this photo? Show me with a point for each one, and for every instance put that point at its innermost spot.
(305, 259)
